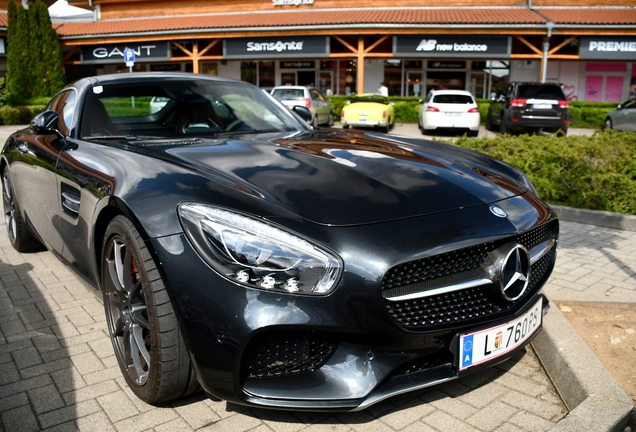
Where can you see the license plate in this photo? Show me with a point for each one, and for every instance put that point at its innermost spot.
(453, 114)
(363, 117)
(485, 345)
(542, 106)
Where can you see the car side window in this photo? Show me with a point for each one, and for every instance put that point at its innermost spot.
(315, 95)
(64, 105)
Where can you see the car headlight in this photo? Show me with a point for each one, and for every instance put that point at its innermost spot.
(258, 254)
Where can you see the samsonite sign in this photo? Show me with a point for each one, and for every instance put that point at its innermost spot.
(607, 48)
(283, 47)
(452, 46)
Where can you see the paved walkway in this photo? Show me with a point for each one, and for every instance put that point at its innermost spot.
(58, 371)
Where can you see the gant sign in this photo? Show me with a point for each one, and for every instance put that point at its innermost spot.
(452, 46)
(283, 47)
(114, 53)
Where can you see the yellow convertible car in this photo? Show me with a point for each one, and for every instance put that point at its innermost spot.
(368, 110)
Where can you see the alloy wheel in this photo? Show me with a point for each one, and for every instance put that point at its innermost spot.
(127, 312)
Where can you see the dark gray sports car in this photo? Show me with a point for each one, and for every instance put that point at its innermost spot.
(273, 264)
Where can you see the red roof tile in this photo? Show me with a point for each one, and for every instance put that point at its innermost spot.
(328, 18)
(590, 16)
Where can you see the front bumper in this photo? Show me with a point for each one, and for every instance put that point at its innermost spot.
(348, 350)
(367, 123)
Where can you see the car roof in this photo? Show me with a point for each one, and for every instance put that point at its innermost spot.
(148, 76)
(458, 92)
(292, 87)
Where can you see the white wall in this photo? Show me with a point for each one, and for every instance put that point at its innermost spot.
(525, 70)
(373, 75)
(232, 69)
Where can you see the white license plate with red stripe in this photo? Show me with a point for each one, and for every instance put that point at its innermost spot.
(485, 345)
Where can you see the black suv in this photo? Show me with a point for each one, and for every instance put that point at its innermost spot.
(529, 106)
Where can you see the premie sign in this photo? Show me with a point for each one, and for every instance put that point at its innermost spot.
(608, 48)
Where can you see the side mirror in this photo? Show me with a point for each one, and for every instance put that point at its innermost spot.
(45, 123)
(303, 112)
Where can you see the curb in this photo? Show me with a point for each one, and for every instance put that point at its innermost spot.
(596, 217)
(594, 400)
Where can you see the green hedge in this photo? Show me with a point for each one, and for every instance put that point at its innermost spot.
(594, 172)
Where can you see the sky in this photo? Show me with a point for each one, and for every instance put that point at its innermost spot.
(61, 9)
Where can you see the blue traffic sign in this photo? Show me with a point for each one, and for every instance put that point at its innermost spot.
(129, 55)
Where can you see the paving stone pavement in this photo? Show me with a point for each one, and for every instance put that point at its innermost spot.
(58, 371)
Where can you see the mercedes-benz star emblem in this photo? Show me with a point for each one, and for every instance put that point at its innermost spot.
(497, 211)
(515, 273)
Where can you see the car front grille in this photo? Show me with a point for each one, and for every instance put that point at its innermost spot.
(465, 305)
(282, 353)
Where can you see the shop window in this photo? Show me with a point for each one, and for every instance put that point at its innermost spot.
(210, 68)
(249, 72)
(393, 77)
(267, 74)
(347, 77)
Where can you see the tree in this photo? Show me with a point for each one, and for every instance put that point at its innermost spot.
(51, 76)
(34, 54)
(19, 67)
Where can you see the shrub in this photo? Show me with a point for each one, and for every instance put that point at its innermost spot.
(595, 172)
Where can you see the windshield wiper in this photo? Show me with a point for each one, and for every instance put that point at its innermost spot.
(112, 137)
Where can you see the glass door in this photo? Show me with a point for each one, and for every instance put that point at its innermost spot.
(414, 84)
(288, 78)
(477, 85)
(325, 83)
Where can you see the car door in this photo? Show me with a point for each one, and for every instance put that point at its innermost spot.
(35, 171)
(322, 110)
(625, 118)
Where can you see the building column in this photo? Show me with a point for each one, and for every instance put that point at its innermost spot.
(360, 65)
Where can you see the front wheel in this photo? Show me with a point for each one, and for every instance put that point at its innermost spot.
(330, 121)
(141, 322)
(608, 124)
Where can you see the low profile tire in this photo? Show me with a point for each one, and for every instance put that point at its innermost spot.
(608, 124)
(141, 321)
(18, 232)
(314, 122)
(330, 121)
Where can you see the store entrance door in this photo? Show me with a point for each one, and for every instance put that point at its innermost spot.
(307, 78)
(478, 84)
(414, 81)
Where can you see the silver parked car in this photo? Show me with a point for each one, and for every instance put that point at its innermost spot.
(623, 117)
(308, 97)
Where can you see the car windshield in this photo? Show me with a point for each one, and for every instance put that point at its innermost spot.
(370, 98)
(170, 108)
(287, 94)
(452, 99)
(534, 91)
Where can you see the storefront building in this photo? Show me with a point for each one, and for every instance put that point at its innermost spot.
(347, 46)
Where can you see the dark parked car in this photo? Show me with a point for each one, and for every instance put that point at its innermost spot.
(529, 107)
(272, 264)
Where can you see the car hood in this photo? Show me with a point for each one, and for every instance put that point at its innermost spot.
(351, 178)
